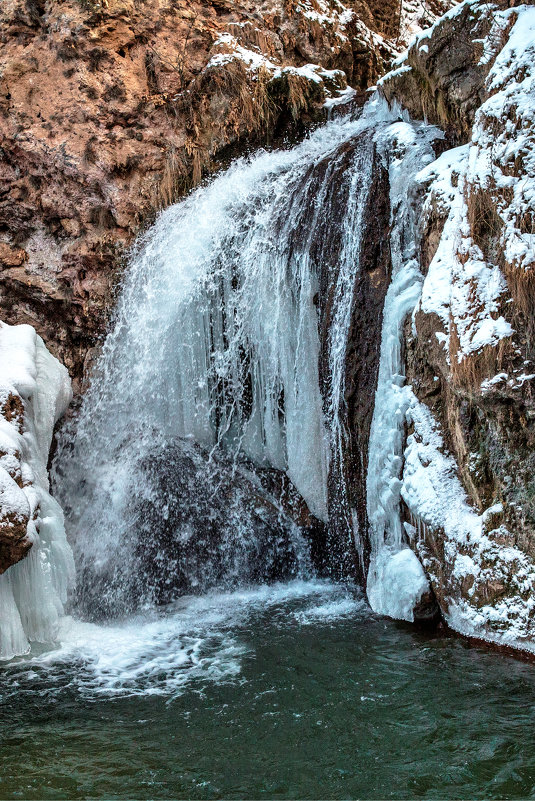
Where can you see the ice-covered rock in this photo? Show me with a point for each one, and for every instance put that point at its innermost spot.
(468, 465)
(36, 563)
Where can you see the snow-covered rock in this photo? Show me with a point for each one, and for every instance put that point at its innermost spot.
(36, 564)
(467, 469)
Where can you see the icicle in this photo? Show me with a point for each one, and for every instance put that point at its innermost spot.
(396, 580)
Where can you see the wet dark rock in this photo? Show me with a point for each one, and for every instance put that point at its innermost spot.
(198, 523)
(347, 481)
(427, 612)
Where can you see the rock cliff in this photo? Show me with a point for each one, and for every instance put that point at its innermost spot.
(110, 109)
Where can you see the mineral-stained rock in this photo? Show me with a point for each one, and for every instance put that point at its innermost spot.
(11, 257)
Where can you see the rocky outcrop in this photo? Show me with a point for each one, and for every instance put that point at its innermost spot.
(442, 76)
(110, 109)
(468, 475)
(347, 477)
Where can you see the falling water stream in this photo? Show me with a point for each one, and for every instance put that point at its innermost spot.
(207, 654)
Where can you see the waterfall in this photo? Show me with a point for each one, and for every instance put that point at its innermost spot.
(209, 380)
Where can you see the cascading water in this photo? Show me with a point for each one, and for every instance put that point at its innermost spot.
(211, 373)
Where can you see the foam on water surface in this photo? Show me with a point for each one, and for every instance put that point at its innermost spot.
(189, 643)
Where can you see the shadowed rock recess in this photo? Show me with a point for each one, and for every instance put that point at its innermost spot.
(348, 386)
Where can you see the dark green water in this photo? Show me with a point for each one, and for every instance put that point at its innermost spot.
(288, 692)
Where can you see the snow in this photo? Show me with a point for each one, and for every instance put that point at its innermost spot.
(461, 288)
(394, 74)
(488, 383)
(504, 135)
(344, 96)
(335, 15)
(33, 590)
(416, 16)
(437, 500)
(255, 60)
(517, 52)
(428, 33)
(517, 380)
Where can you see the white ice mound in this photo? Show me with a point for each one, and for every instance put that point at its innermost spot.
(35, 391)
(396, 583)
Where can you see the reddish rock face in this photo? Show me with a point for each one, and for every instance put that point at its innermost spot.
(110, 109)
(14, 544)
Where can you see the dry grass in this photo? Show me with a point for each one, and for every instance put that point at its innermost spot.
(237, 105)
(486, 225)
(521, 284)
(458, 443)
(246, 108)
(299, 92)
(174, 180)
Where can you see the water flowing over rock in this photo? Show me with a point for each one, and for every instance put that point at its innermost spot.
(217, 340)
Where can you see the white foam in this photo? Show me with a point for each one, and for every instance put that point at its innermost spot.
(194, 641)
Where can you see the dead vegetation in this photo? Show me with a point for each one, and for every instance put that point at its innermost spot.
(486, 224)
(249, 103)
